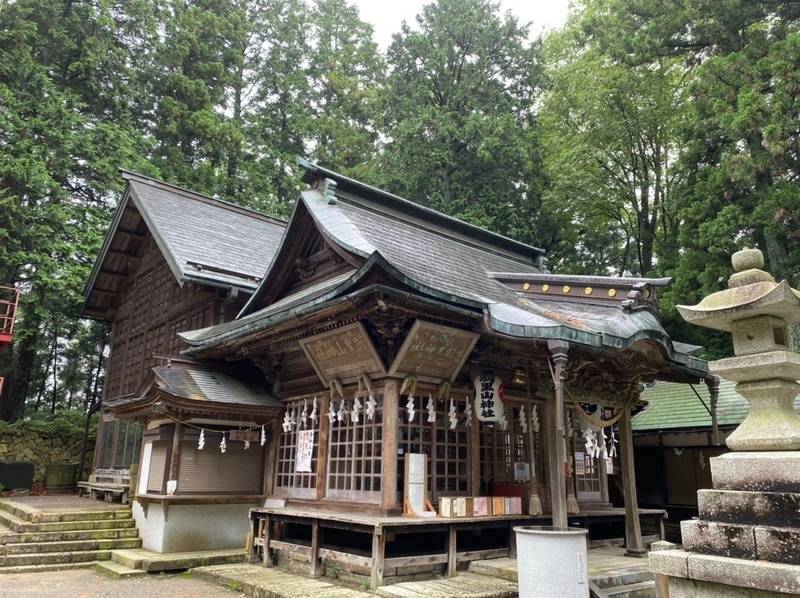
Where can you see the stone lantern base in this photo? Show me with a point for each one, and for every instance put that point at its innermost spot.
(746, 541)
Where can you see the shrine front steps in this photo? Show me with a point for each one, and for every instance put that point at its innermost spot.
(630, 581)
(32, 540)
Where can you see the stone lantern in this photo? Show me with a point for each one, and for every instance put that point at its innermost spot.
(756, 311)
(746, 540)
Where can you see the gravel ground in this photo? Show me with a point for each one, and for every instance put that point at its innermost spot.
(85, 583)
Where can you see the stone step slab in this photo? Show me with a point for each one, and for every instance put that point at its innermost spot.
(769, 471)
(749, 507)
(272, 582)
(622, 578)
(34, 515)
(99, 534)
(40, 568)
(117, 571)
(70, 546)
(642, 589)
(153, 562)
(463, 585)
(19, 525)
(53, 558)
(724, 539)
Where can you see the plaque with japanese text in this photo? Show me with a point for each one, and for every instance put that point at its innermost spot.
(343, 354)
(433, 352)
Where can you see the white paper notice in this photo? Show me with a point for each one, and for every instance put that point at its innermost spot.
(305, 448)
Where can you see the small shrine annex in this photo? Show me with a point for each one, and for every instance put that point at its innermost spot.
(372, 386)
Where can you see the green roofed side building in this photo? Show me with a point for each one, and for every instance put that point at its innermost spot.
(674, 440)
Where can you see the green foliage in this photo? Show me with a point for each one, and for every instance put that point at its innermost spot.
(458, 115)
(63, 423)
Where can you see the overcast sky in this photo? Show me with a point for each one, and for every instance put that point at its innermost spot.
(386, 15)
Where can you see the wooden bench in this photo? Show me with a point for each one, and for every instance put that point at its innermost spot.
(109, 484)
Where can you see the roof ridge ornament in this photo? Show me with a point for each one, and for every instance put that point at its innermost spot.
(329, 191)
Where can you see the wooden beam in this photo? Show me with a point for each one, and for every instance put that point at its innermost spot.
(558, 456)
(391, 407)
(272, 457)
(633, 531)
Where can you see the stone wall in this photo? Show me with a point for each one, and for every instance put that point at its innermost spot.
(45, 442)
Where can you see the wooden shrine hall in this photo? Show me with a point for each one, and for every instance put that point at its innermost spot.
(424, 386)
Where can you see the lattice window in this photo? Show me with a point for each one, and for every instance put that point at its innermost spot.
(447, 450)
(354, 455)
(586, 467)
(288, 481)
(500, 449)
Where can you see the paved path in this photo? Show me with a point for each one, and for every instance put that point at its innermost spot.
(272, 582)
(85, 583)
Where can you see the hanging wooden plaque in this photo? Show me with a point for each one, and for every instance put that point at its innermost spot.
(343, 354)
(433, 352)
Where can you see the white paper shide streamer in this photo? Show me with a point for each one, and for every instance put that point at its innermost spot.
(431, 408)
(468, 413)
(201, 442)
(410, 408)
(222, 445)
(453, 414)
(263, 435)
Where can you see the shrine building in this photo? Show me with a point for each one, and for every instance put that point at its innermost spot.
(372, 388)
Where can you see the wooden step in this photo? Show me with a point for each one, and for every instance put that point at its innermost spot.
(70, 546)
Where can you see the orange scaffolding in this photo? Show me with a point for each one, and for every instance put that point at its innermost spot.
(9, 299)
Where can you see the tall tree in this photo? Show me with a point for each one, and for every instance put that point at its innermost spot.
(611, 138)
(459, 116)
(65, 128)
(345, 71)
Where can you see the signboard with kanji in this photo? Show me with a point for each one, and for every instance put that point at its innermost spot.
(305, 450)
(434, 352)
(344, 354)
(489, 394)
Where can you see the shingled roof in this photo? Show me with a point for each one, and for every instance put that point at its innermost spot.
(675, 407)
(203, 239)
(452, 261)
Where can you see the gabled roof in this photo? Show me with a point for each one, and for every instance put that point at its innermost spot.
(198, 386)
(204, 240)
(674, 407)
(452, 255)
(448, 261)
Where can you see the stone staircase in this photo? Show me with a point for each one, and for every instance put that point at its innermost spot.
(623, 584)
(627, 580)
(41, 541)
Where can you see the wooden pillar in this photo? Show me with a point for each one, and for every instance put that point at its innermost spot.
(316, 569)
(378, 551)
(272, 456)
(712, 382)
(175, 455)
(267, 554)
(391, 407)
(474, 460)
(452, 551)
(633, 530)
(322, 447)
(558, 454)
